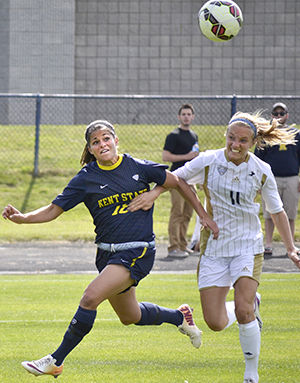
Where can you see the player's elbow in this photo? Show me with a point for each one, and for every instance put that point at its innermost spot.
(166, 156)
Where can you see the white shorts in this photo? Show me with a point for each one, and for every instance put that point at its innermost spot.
(225, 271)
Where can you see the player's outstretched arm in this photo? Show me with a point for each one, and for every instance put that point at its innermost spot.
(191, 196)
(44, 214)
(146, 200)
(282, 224)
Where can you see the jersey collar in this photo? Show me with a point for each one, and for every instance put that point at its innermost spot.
(111, 167)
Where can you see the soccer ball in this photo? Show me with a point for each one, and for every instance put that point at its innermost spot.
(220, 20)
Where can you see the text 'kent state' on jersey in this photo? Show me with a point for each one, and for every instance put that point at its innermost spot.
(231, 192)
(107, 190)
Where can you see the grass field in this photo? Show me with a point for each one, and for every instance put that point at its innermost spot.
(60, 151)
(36, 309)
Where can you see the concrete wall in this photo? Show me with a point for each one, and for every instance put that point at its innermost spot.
(37, 52)
(143, 47)
(155, 47)
(41, 45)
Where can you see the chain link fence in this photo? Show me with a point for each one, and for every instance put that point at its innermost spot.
(45, 133)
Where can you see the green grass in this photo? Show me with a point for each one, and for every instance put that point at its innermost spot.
(36, 309)
(60, 152)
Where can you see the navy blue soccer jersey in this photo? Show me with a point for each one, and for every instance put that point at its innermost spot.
(107, 190)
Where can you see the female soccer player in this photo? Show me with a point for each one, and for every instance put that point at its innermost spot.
(125, 240)
(231, 178)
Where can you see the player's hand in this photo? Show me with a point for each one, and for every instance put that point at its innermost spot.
(143, 201)
(294, 256)
(13, 214)
(208, 223)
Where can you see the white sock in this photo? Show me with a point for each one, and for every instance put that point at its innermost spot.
(250, 342)
(230, 313)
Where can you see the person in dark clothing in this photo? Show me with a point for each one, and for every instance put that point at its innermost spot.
(284, 161)
(181, 145)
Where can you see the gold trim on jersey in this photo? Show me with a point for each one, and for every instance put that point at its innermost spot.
(111, 167)
(205, 232)
(263, 180)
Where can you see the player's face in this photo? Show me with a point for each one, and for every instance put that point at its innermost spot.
(103, 145)
(185, 117)
(239, 139)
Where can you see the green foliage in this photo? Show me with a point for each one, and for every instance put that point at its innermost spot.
(36, 309)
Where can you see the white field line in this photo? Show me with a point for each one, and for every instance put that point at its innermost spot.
(50, 320)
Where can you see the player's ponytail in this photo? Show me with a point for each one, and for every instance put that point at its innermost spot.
(86, 156)
(265, 132)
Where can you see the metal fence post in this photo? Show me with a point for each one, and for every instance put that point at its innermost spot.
(233, 105)
(38, 106)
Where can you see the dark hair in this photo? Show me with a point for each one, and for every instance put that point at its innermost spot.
(186, 106)
(86, 156)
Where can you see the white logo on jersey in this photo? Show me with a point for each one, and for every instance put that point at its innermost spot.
(222, 170)
(103, 186)
(136, 177)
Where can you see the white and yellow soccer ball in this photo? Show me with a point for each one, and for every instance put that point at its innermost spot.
(220, 20)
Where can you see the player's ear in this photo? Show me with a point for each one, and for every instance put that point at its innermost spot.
(117, 140)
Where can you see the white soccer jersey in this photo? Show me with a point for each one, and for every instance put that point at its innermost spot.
(230, 200)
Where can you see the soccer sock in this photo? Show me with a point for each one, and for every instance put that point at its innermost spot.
(250, 342)
(153, 314)
(230, 313)
(80, 326)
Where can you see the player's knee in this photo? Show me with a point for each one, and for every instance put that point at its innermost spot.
(127, 320)
(215, 324)
(89, 300)
(244, 313)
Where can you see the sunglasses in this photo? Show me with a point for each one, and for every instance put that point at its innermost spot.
(276, 114)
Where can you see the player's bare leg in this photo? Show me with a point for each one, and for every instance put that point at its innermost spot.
(213, 302)
(112, 280)
(145, 313)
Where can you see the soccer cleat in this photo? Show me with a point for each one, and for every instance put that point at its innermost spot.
(188, 326)
(44, 366)
(249, 381)
(256, 310)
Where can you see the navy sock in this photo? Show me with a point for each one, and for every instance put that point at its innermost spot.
(80, 326)
(153, 314)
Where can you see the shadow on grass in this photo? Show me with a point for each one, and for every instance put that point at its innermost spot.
(28, 194)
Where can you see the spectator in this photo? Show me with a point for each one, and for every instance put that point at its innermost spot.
(284, 161)
(181, 145)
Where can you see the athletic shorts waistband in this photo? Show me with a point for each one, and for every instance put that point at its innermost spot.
(113, 247)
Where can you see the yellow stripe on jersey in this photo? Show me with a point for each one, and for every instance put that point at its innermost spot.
(205, 233)
(263, 179)
(141, 256)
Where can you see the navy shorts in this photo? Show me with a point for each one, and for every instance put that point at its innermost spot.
(138, 261)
